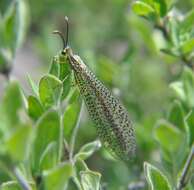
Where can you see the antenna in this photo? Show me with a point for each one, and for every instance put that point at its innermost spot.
(67, 31)
(65, 40)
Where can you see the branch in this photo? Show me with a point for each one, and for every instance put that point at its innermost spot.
(183, 178)
(21, 180)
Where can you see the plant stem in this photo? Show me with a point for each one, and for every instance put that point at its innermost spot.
(163, 30)
(161, 26)
(75, 131)
(21, 180)
(61, 138)
(183, 178)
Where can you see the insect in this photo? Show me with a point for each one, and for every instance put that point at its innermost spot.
(111, 119)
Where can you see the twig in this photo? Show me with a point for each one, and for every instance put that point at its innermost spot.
(21, 180)
(75, 131)
(163, 30)
(160, 26)
(182, 180)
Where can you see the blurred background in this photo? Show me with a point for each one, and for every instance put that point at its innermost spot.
(123, 50)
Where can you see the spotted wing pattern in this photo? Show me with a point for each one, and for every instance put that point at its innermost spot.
(111, 119)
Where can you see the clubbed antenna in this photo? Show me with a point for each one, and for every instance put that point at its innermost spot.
(65, 40)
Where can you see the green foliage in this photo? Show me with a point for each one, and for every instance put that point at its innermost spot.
(50, 90)
(35, 109)
(47, 140)
(48, 130)
(177, 32)
(57, 177)
(70, 117)
(10, 106)
(10, 186)
(90, 180)
(13, 25)
(170, 138)
(16, 145)
(156, 179)
(87, 150)
(184, 88)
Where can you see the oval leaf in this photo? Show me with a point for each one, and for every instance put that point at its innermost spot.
(47, 131)
(176, 115)
(169, 137)
(49, 157)
(58, 177)
(142, 9)
(90, 180)
(18, 144)
(87, 150)
(70, 117)
(50, 90)
(35, 109)
(11, 106)
(54, 68)
(155, 178)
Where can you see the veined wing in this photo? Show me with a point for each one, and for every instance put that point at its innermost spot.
(111, 118)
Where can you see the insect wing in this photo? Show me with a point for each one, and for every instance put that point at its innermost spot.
(112, 121)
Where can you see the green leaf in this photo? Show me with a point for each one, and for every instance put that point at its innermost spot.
(74, 95)
(190, 122)
(12, 102)
(90, 180)
(9, 37)
(50, 90)
(35, 109)
(177, 87)
(33, 86)
(14, 25)
(18, 144)
(49, 157)
(188, 85)
(169, 137)
(65, 69)
(47, 131)
(58, 177)
(184, 88)
(188, 46)
(170, 3)
(79, 166)
(155, 178)
(10, 185)
(161, 7)
(188, 22)
(176, 115)
(13, 185)
(67, 82)
(22, 21)
(142, 8)
(174, 31)
(70, 117)
(60, 67)
(87, 150)
(54, 68)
